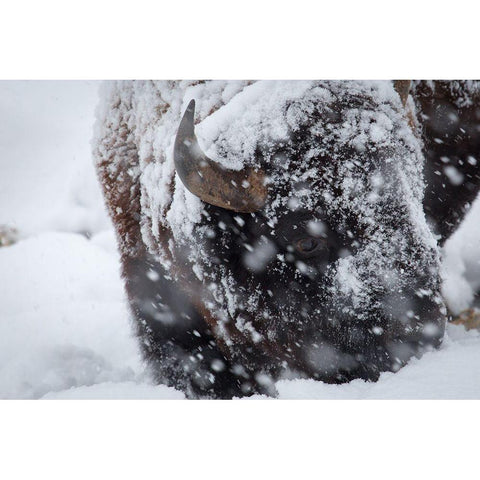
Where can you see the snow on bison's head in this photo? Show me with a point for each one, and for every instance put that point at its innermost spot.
(283, 235)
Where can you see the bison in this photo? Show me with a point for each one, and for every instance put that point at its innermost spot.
(282, 229)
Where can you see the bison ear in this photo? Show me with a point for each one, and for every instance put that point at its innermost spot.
(402, 87)
(240, 191)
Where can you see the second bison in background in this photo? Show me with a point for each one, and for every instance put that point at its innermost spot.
(284, 236)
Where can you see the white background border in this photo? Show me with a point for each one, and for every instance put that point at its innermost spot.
(95, 39)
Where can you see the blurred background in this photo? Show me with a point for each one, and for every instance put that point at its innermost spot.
(47, 180)
(63, 318)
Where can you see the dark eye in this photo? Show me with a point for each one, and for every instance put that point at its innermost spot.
(307, 245)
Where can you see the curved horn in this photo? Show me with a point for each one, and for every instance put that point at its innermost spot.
(402, 87)
(240, 191)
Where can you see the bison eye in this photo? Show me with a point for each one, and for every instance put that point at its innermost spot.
(307, 245)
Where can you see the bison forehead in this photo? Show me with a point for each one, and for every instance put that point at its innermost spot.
(289, 126)
(270, 113)
(324, 135)
(342, 147)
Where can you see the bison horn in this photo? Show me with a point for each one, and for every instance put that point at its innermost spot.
(240, 191)
(402, 87)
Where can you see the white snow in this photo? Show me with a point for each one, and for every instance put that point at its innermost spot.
(47, 180)
(64, 322)
(453, 372)
(453, 175)
(462, 262)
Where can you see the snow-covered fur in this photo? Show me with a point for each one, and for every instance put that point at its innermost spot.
(449, 117)
(336, 278)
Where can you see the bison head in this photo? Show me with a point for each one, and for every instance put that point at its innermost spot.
(311, 249)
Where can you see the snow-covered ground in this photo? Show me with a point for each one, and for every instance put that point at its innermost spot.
(64, 326)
